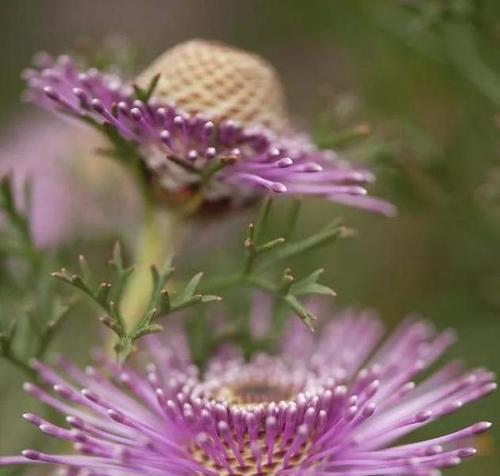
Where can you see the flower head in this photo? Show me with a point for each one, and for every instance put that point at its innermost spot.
(339, 409)
(209, 123)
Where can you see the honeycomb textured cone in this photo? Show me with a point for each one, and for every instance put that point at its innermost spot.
(220, 82)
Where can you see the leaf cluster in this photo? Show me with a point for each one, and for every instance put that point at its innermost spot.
(264, 258)
(31, 312)
(107, 295)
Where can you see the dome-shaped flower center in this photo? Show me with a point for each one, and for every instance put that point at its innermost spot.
(220, 82)
(257, 418)
(256, 392)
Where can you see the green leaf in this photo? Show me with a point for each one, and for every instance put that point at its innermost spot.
(328, 235)
(307, 317)
(270, 245)
(317, 289)
(145, 94)
(208, 298)
(287, 281)
(191, 287)
(85, 271)
(17, 220)
(103, 294)
(309, 285)
(188, 297)
(262, 219)
(120, 275)
(151, 329)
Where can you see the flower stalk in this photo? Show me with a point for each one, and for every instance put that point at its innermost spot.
(159, 237)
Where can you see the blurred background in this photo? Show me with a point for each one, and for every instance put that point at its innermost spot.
(422, 76)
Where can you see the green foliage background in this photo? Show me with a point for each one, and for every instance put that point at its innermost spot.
(426, 79)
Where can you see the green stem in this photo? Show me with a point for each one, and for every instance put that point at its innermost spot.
(21, 365)
(161, 233)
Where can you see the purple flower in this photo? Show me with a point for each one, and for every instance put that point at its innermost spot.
(224, 141)
(66, 200)
(340, 409)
